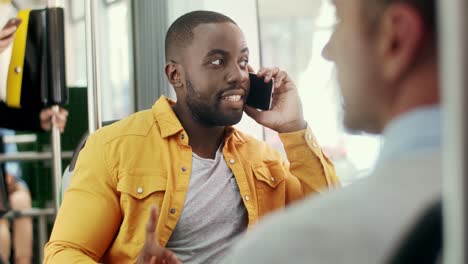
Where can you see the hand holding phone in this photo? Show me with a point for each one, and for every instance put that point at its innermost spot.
(260, 93)
(285, 113)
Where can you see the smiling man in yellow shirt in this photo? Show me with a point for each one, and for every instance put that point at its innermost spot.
(209, 181)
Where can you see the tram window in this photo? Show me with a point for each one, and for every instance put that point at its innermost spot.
(115, 48)
(293, 34)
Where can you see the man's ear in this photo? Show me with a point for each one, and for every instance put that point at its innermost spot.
(173, 74)
(400, 40)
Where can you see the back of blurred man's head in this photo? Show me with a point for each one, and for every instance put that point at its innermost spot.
(385, 55)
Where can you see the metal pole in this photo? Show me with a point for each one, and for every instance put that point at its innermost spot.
(57, 160)
(56, 145)
(260, 55)
(92, 66)
(454, 65)
(32, 156)
(42, 236)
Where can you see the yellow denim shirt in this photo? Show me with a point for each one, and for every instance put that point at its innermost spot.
(145, 160)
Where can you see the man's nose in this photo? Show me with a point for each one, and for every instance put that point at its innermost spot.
(237, 74)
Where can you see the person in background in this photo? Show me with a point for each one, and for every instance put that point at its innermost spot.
(25, 119)
(19, 196)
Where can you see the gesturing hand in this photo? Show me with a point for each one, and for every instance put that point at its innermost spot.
(152, 252)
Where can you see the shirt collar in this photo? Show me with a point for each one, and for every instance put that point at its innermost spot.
(418, 130)
(166, 118)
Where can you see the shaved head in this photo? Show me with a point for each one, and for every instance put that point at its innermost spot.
(180, 33)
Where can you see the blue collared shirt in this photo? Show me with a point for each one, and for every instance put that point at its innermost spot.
(416, 131)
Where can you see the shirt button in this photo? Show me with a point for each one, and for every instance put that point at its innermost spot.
(140, 190)
(232, 161)
(272, 179)
(184, 169)
(173, 211)
(182, 136)
(247, 198)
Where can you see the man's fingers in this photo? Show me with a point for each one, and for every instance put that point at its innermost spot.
(261, 72)
(174, 259)
(250, 68)
(272, 74)
(152, 252)
(280, 78)
(152, 221)
(268, 73)
(170, 258)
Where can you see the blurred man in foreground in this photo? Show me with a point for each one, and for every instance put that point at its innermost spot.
(386, 60)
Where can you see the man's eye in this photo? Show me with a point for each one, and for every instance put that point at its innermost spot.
(244, 63)
(217, 62)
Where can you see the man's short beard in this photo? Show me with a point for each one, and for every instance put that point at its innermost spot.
(208, 115)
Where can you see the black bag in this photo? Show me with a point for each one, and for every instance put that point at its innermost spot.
(36, 76)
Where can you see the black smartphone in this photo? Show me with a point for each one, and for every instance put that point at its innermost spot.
(260, 93)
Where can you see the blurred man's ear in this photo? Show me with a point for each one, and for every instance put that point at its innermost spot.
(400, 40)
(173, 74)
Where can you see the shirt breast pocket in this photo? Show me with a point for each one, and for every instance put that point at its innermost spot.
(270, 186)
(139, 190)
